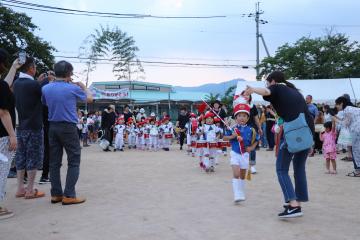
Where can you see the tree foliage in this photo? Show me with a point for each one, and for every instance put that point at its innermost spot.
(17, 31)
(115, 45)
(332, 56)
(228, 97)
(212, 97)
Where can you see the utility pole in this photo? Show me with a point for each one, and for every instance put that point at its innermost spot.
(86, 84)
(258, 21)
(257, 15)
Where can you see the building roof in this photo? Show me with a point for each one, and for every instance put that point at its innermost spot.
(155, 96)
(151, 96)
(120, 82)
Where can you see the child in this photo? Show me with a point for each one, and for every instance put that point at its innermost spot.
(200, 143)
(167, 129)
(154, 134)
(160, 135)
(191, 127)
(146, 133)
(85, 132)
(219, 151)
(131, 133)
(211, 133)
(243, 139)
(119, 130)
(139, 136)
(329, 146)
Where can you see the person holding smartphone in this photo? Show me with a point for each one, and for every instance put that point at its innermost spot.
(61, 97)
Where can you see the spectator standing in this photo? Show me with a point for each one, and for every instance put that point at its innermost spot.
(30, 135)
(183, 118)
(262, 119)
(140, 115)
(127, 113)
(8, 140)
(270, 122)
(289, 105)
(312, 108)
(50, 76)
(328, 113)
(61, 97)
(314, 113)
(107, 123)
(351, 120)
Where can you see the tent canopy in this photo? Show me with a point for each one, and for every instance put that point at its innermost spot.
(322, 90)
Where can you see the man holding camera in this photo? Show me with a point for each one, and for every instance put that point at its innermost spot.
(61, 97)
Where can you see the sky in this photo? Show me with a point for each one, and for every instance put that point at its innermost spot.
(229, 40)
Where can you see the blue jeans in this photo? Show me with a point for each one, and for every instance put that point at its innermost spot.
(263, 137)
(253, 158)
(282, 169)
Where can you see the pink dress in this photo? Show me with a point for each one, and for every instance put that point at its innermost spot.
(329, 144)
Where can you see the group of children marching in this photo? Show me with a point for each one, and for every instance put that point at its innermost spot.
(206, 138)
(148, 134)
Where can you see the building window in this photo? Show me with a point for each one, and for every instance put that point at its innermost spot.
(151, 88)
(112, 86)
(139, 87)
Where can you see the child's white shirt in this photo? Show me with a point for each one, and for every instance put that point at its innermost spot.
(120, 129)
(153, 130)
(210, 132)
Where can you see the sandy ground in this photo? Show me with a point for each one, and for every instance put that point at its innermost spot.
(164, 195)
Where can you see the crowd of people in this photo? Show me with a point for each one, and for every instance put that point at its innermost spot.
(44, 112)
(49, 121)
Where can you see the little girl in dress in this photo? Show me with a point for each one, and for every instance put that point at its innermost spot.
(329, 146)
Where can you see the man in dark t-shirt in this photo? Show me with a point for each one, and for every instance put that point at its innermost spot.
(183, 118)
(29, 154)
(127, 114)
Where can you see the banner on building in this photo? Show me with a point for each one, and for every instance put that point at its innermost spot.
(112, 95)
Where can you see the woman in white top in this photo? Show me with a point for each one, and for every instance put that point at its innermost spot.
(351, 121)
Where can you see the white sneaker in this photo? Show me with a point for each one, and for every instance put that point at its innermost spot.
(253, 170)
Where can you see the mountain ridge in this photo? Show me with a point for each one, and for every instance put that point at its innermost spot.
(214, 88)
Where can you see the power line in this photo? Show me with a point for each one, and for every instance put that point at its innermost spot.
(177, 58)
(52, 9)
(109, 61)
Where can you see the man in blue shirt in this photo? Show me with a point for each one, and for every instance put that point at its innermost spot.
(61, 97)
(314, 113)
(312, 108)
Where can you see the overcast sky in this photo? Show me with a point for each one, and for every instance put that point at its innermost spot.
(200, 40)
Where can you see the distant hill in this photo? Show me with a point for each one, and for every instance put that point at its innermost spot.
(214, 88)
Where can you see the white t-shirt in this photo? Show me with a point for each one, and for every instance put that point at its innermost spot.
(120, 129)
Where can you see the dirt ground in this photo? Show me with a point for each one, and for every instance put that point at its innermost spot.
(164, 195)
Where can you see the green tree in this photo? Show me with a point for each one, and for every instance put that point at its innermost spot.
(17, 31)
(212, 97)
(115, 45)
(228, 97)
(332, 56)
